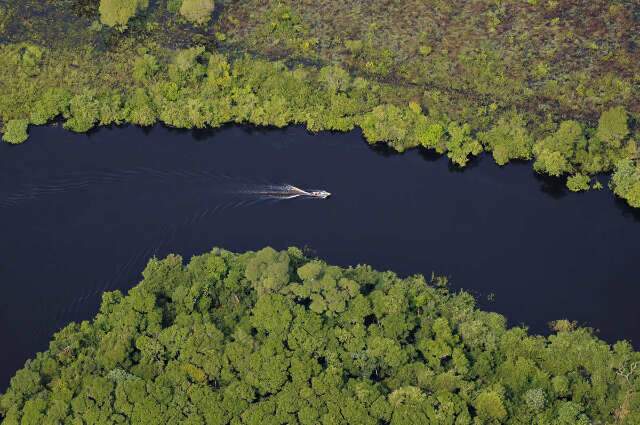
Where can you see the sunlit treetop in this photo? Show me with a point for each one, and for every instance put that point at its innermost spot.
(273, 337)
(116, 13)
(197, 11)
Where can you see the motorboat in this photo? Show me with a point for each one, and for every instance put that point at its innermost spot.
(319, 194)
(290, 192)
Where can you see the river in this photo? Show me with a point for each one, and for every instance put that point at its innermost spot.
(82, 214)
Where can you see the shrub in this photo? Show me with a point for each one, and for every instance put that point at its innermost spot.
(116, 13)
(578, 182)
(197, 11)
(15, 131)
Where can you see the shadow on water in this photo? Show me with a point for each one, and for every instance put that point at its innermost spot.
(382, 149)
(472, 163)
(429, 155)
(252, 130)
(626, 210)
(203, 134)
(555, 187)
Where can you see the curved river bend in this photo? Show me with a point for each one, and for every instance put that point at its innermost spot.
(82, 214)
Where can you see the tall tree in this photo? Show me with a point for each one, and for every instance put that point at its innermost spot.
(116, 13)
(197, 11)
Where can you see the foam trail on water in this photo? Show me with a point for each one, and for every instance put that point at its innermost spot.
(215, 181)
(283, 191)
(243, 193)
(218, 181)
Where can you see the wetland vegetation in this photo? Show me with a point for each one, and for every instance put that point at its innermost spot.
(554, 82)
(274, 337)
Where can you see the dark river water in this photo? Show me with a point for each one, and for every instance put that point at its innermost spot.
(82, 214)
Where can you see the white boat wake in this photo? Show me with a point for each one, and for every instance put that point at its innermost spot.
(217, 183)
(285, 191)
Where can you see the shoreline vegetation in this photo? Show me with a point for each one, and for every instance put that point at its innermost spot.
(272, 337)
(570, 104)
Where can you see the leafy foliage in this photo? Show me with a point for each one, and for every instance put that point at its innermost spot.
(613, 126)
(522, 80)
(273, 337)
(554, 153)
(15, 131)
(578, 182)
(116, 13)
(197, 11)
(625, 182)
(508, 139)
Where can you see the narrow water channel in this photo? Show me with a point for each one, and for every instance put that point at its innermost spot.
(81, 214)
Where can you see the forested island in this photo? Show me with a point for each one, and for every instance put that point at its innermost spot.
(274, 337)
(552, 81)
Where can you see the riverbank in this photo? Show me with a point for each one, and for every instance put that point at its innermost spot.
(275, 335)
(89, 209)
(201, 76)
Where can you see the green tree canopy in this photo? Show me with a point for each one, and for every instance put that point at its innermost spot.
(197, 11)
(508, 139)
(458, 78)
(15, 131)
(554, 154)
(613, 126)
(578, 182)
(625, 182)
(273, 337)
(116, 13)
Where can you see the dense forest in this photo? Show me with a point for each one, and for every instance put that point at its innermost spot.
(268, 337)
(274, 337)
(553, 81)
